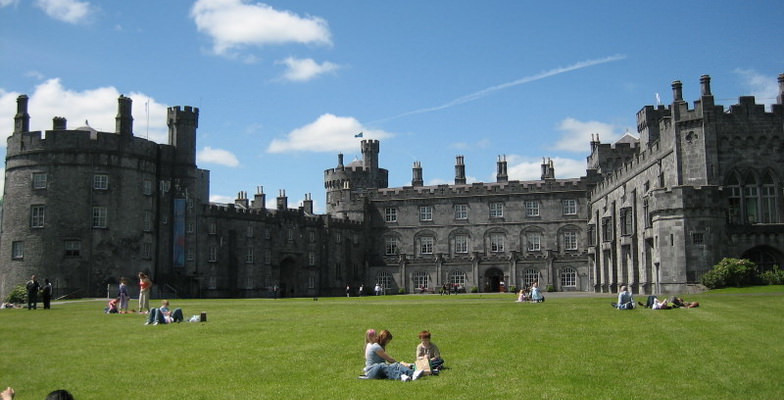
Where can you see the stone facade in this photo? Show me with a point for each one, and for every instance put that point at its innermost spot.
(84, 208)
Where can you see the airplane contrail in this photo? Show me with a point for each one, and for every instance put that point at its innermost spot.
(488, 91)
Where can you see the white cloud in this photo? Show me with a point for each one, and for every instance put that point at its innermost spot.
(526, 168)
(300, 70)
(70, 11)
(217, 156)
(577, 134)
(5, 3)
(98, 106)
(328, 133)
(216, 198)
(235, 24)
(765, 89)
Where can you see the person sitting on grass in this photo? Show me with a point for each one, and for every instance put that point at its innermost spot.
(111, 306)
(625, 300)
(427, 350)
(162, 315)
(380, 365)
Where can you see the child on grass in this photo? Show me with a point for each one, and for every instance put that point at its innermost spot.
(428, 350)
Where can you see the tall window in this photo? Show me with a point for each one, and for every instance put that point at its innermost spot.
(534, 241)
(569, 207)
(457, 277)
(532, 208)
(751, 197)
(496, 210)
(311, 258)
(147, 221)
(461, 244)
(385, 279)
(421, 280)
(627, 221)
(100, 182)
(607, 229)
(268, 257)
(147, 187)
(17, 250)
(212, 228)
(530, 276)
(390, 214)
(212, 255)
(147, 250)
(497, 242)
(99, 217)
(768, 200)
(570, 240)
(37, 215)
(568, 277)
(249, 256)
(461, 211)
(390, 246)
(39, 180)
(425, 213)
(426, 245)
(249, 231)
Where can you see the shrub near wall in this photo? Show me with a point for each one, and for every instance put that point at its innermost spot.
(730, 272)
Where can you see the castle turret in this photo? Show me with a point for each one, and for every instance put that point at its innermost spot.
(501, 174)
(182, 132)
(124, 119)
(416, 179)
(780, 98)
(460, 176)
(22, 118)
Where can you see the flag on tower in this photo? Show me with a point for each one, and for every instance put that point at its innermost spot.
(358, 134)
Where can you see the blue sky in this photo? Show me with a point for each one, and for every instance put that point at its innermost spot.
(283, 86)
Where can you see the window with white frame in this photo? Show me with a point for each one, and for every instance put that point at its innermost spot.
(311, 258)
(99, 217)
(497, 241)
(249, 256)
(425, 213)
(568, 277)
(461, 211)
(534, 241)
(530, 277)
(212, 228)
(268, 257)
(531, 208)
(461, 244)
(390, 246)
(212, 255)
(147, 221)
(73, 248)
(421, 280)
(17, 250)
(390, 214)
(312, 237)
(570, 240)
(37, 216)
(189, 228)
(100, 182)
(569, 207)
(385, 279)
(312, 280)
(457, 277)
(496, 210)
(39, 180)
(426, 245)
(249, 231)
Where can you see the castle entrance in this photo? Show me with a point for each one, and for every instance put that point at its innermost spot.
(493, 279)
(764, 256)
(288, 277)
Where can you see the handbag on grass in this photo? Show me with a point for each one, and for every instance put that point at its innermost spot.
(423, 364)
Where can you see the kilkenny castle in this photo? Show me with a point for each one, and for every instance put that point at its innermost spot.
(654, 212)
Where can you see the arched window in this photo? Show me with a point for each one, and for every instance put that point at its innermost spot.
(421, 280)
(734, 197)
(751, 198)
(568, 277)
(385, 279)
(768, 200)
(457, 277)
(530, 276)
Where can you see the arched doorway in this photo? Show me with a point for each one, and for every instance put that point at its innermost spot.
(764, 256)
(493, 279)
(287, 277)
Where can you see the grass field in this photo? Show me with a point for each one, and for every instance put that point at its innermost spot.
(566, 348)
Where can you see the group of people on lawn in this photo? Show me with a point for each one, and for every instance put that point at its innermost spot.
(626, 302)
(380, 365)
(534, 294)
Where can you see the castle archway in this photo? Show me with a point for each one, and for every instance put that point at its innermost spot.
(288, 277)
(765, 257)
(493, 278)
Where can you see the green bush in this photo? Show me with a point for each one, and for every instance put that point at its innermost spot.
(774, 276)
(17, 296)
(512, 289)
(401, 291)
(474, 289)
(730, 272)
(550, 288)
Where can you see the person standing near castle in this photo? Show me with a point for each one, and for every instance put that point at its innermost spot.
(46, 294)
(144, 293)
(122, 293)
(32, 293)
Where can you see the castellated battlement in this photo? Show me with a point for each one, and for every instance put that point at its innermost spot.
(269, 216)
(82, 141)
(480, 189)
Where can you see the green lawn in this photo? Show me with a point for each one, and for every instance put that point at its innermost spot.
(566, 348)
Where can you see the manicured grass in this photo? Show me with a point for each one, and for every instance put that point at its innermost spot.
(566, 348)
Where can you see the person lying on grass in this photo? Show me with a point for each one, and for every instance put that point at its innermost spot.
(162, 315)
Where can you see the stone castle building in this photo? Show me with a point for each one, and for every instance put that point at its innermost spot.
(84, 208)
